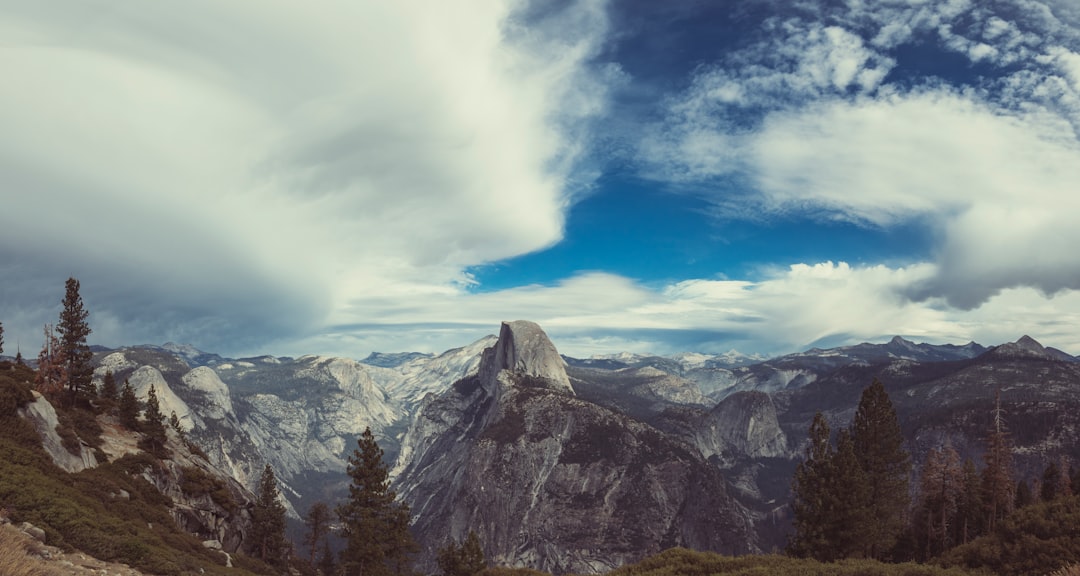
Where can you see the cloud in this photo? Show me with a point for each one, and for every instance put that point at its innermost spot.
(232, 174)
(788, 309)
(991, 165)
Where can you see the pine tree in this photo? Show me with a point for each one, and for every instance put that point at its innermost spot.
(879, 447)
(109, 392)
(971, 505)
(1024, 497)
(1055, 483)
(1065, 478)
(1, 337)
(326, 564)
(851, 521)
(73, 330)
(940, 493)
(375, 526)
(51, 374)
(268, 522)
(831, 498)
(318, 524)
(128, 408)
(153, 426)
(810, 487)
(998, 484)
(466, 559)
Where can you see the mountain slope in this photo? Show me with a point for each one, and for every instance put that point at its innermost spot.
(552, 481)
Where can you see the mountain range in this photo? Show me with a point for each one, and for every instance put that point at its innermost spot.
(580, 465)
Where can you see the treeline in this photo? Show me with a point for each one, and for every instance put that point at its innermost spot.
(855, 495)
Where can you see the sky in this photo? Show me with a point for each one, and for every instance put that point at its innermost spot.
(351, 176)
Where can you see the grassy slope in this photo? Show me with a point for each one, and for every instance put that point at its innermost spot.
(78, 511)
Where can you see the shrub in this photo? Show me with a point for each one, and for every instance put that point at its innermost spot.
(1033, 540)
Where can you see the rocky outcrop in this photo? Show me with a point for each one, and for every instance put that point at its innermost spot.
(524, 349)
(552, 481)
(742, 426)
(43, 416)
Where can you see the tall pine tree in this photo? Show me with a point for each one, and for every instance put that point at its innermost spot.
(153, 426)
(109, 392)
(831, 492)
(374, 524)
(941, 489)
(318, 524)
(73, 330)
(879, 447)
(1, 337)
(268, 522)
(998, 484)
(128, 408)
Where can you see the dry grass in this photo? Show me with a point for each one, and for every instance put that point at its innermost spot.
(14, 560)
(1070, 570)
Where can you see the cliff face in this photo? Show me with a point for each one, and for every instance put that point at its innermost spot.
(552, 481)
(743, 425)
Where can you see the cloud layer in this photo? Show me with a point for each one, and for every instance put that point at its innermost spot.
(232, 175)
(290, 179)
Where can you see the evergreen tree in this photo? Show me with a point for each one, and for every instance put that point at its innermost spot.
(811, 490)
(51, 374)
(174, 423)
(851, 523)
(375, 526)
(268, 522)
(1055, 483)
(1024, 497)
(109, 392)
(971, 505)
(128, 408)
(998, 484)
(831, 498)
(466, 559)
(153, 426)
(1, 337)
(318, 524)
(73, 330)
(879, 447)
(326, 564)
(940, 494)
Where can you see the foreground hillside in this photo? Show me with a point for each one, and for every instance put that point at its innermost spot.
(124, 506)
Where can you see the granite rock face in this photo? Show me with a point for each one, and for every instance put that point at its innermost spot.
(552, 481)
(743, 424)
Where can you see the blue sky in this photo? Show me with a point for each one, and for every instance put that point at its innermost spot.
(642, 176)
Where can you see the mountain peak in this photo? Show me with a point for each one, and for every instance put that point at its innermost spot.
(1028, 343)
(1028, 347)
(524, 348)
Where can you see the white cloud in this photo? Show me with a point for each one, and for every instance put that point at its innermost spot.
(787, 310)
(238, 168)
(992, 168)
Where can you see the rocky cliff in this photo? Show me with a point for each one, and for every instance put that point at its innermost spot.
(552, 481)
